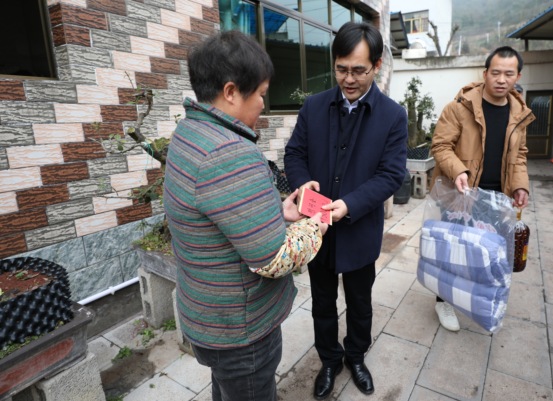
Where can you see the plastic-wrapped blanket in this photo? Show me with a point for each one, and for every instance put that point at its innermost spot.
(468, 267)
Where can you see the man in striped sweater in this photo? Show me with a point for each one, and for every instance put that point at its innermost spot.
(233, 250)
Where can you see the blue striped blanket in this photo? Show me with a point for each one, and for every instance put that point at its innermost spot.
(467, 267)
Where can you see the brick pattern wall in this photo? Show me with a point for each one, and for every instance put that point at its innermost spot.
(54, 178)
(275, 132)
(382, 22)
(52, 175)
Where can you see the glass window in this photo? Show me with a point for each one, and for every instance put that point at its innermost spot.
(340, 15)
(238, 15)
(317, 56)
(282, 41)
(293, 4)
(416, 22)
(24, 46)
(317, 9)
(418, 14)
(360, 16)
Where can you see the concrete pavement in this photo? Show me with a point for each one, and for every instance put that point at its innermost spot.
(412, 357)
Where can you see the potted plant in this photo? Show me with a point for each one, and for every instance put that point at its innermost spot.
(35, 297)
(41, 330)
(418, 107)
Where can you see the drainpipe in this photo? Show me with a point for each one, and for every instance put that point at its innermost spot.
(110, 290)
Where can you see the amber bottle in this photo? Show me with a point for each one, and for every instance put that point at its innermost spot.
(522, 237)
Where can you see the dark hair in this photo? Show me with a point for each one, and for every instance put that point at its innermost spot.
(349, 36)
(505, 52)
(228, 57)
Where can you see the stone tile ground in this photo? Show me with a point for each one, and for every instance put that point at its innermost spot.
(412, 358)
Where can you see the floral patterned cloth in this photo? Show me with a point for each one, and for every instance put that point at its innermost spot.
(303, 241)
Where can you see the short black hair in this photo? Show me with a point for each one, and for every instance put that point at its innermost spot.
(228, 57)
(505, 52)
(349, 36)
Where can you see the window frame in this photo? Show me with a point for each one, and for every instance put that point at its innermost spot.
(420, 19)
(48, 42)
(302, 18)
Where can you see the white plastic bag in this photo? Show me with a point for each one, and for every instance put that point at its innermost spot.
(467, 251)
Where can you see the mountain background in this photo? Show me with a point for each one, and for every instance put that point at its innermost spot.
(478, 24)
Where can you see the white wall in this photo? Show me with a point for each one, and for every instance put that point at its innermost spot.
(439, 12)
(443, 77)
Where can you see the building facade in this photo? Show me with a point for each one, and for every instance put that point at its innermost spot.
(443, 77)
(68, 74)
(418, 14)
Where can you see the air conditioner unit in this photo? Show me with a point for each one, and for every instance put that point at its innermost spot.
(413, 53)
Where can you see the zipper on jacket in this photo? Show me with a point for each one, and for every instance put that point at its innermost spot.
(509, 144)
(460, 100)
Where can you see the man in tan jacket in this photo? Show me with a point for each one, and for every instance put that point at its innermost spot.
(480, 140)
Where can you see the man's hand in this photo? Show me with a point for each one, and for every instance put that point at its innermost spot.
(521, 198)
(290, 209)
(339, 209)
(322, 226)
(462, 182)
(314, 185)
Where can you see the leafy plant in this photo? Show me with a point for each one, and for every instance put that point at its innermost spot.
(124, 352)
(299, 96)
(147, 335)
(155, 240)
(169, 325)
(418, 107)
(133, 139)
(20, 276)
(152, 385)
(116, 398)
(136, 322)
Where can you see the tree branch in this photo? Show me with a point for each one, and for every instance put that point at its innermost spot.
(435, 38)
(453, 30)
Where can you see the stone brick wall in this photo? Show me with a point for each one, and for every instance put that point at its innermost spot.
(275, 132)
(382, 22)
(52, 175)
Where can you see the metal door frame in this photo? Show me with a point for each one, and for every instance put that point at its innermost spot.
(549, 146)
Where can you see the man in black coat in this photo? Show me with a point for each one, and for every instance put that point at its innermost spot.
(350, 145)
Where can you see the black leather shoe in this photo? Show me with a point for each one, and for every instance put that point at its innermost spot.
(361, 377)
(324, 382)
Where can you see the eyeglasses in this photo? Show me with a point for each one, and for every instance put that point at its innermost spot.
(357, 75)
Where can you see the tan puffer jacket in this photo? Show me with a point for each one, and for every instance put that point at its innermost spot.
(460, 137)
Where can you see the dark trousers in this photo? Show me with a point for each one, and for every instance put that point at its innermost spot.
(324, 289)
(245, 373)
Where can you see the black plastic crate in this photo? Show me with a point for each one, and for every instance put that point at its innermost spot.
(38, 311)
(418, 153)
(280, 179)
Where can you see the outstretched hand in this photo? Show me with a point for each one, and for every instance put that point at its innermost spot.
(290, 209)
(322, 226)
(339, 209)
(313, 185)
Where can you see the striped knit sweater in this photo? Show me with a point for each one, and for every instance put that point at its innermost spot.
(226, 220)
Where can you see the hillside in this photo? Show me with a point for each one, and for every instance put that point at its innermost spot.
(478, 23)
